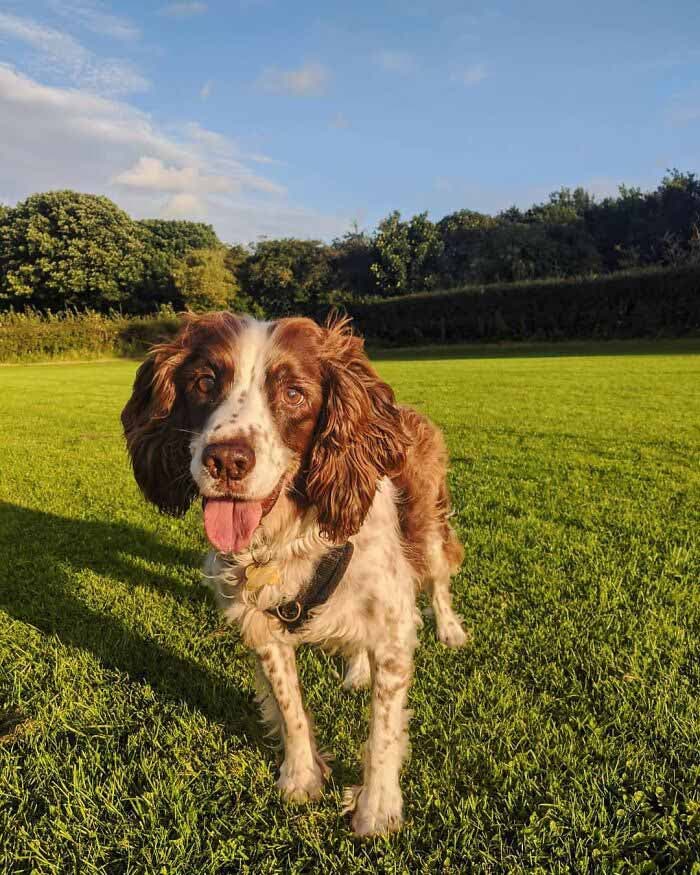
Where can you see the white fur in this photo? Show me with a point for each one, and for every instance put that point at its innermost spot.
(245, 413)
(371, 618)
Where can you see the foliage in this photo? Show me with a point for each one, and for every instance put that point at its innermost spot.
(33, 336)
(566, 739)
(634, 304)
(288, 276)
(64, 249)
(351, 258)
(177, 237)
(407, 254)
(204, 280)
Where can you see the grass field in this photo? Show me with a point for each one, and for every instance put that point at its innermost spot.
(566, 738)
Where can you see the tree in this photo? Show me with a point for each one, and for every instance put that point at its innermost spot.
(287, 276)
(65, 249)
(351, 266)
(204, 280)
(177, 236)
(407, 254)
(463, 235)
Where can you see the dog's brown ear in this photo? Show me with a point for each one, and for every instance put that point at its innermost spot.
(360, 437)
(157, 443)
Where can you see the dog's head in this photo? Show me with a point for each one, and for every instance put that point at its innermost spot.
(244, 413)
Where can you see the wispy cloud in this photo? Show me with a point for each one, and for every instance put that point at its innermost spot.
(395, 62)
(471, 75)
(61, 54)
(206, 89)
(96, 18)
(184, 10)
(310, 80)
(154, 175)
(68, 138)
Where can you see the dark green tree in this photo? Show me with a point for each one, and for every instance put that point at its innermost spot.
(177, 236)
(287, 276)
(407, 254)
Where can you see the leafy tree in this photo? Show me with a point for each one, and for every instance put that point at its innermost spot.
(351, 260)
(167, 242)
(177, 236)
(204, 280)
(287, 276)
(463, 236)
(65, 249)
(407, 254)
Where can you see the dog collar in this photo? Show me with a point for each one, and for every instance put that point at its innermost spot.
(328, 574)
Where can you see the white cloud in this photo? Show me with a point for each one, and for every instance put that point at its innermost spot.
(310, 80)
(66, 138)
(395, 62)
(184, 206)
(183, 10)
(471, 75)
(206, 89)
(96, 18)
(153, 174)
(262, 159)
(60, 53)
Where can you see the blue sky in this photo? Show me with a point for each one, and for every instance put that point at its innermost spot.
(272, 118)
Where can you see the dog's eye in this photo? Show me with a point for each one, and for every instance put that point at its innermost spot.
(293, 396)
(205, 384)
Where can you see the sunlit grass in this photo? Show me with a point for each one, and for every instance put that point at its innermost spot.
(567, 737)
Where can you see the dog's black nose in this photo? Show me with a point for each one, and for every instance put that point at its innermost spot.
(230, 461)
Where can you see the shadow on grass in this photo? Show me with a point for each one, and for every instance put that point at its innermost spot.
(42, 552)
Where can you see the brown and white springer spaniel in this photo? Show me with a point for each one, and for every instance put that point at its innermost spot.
(298, 448)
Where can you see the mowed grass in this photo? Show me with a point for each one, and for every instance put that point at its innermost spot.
(566, 738)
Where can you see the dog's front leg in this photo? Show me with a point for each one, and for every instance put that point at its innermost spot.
(378, 803)
(279, 696)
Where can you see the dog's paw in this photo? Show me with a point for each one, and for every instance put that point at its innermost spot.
(451, 633)
(357, 674)
(300, 782)
(384, 815)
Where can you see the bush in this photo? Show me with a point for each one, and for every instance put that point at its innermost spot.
(32, 336)
(635, 304)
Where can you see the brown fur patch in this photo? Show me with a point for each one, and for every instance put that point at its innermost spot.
(424, 501)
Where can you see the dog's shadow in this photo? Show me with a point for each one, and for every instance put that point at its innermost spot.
(38, 586)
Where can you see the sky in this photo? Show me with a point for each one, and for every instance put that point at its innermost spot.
(269, 118)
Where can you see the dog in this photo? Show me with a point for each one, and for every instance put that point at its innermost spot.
(328, 509)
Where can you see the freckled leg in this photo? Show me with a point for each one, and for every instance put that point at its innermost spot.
(279, 695)
(378, 803)
(449, 624)
(357, 673)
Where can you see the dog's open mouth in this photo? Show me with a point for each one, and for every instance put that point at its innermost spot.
(230, 522)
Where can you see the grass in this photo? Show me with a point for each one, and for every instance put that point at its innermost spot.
(567, 738)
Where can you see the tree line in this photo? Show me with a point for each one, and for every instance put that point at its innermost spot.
(62, 249)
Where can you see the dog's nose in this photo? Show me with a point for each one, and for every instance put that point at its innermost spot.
(229, 461)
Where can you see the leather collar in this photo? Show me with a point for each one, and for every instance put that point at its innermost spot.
(328, 574)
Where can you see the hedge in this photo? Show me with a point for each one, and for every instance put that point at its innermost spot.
(33, 336)
(647, 303)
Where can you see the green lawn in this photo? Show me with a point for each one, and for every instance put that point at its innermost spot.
(566, 738)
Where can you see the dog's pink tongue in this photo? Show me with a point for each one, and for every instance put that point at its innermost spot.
(230, 524)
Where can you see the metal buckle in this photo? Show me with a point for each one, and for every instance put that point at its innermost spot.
(278, 611)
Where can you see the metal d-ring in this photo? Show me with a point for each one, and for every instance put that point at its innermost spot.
(289, 619)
